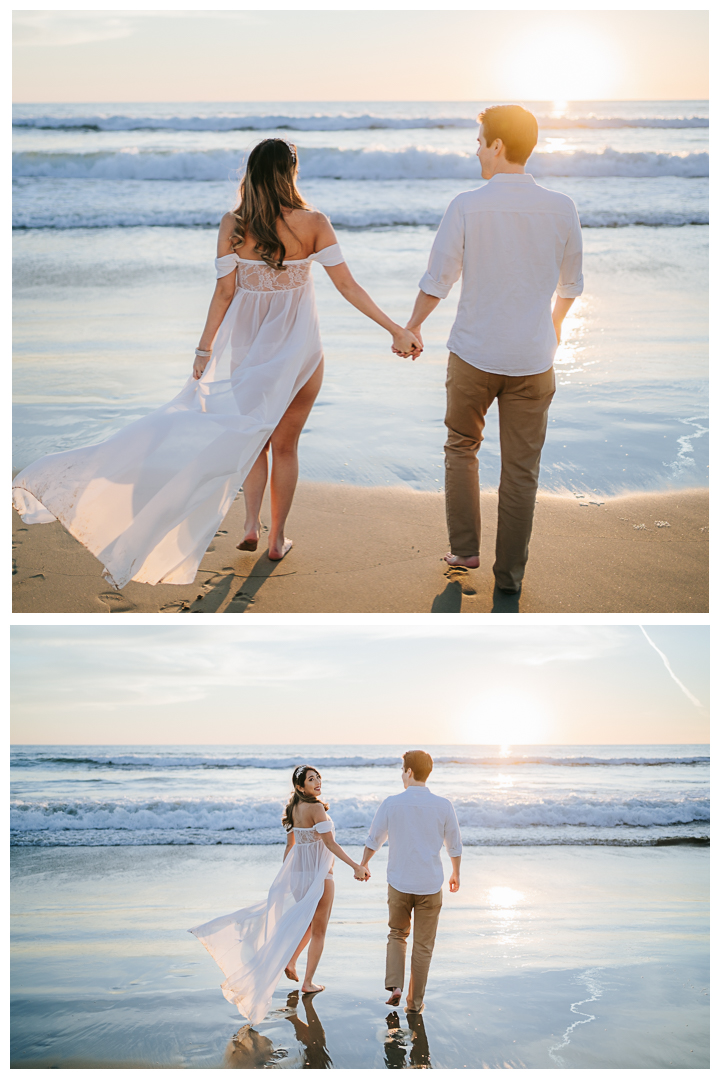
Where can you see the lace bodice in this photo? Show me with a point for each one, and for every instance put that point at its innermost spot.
(253, 275)
(314, 834)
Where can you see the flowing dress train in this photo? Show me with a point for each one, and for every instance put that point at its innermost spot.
(252, 946)
(148, 500)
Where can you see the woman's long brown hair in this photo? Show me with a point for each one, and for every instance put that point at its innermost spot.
(266, 189)
(298, 795)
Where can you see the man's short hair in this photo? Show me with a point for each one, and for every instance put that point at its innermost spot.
(420, 763)
(517, 128)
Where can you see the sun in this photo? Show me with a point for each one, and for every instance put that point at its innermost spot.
(561, 65)
(506, 719)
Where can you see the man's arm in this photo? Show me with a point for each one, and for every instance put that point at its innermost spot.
(377, 835)
(453, 845)
(444, 266)
(424, 306)
(562, 306)
(570, 284)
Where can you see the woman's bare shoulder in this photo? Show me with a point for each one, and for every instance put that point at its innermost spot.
(317, 811)
(227, 227)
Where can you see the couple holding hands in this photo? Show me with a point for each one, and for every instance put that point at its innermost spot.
(255, 945)
(149, 500)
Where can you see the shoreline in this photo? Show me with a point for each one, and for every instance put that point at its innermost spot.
(540, 956)
(380, 550)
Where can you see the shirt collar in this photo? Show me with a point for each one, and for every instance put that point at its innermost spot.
(512, 178)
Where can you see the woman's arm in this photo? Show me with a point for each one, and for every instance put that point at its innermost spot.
(404, 341)
(289, 845)
(221, 300)
(361, 872)
(319, 815)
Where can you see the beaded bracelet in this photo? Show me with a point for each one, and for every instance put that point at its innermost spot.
(200, 352)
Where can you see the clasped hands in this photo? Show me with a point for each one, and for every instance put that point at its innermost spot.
(407, 342)
(362, 873)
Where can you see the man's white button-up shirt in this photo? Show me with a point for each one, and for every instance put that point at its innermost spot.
(416, 824)
(515, 244)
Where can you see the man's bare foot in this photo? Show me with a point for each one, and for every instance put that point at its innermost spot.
(395, 996)
(291, 974)
(470, 562)
(275, 554)
(312, 988)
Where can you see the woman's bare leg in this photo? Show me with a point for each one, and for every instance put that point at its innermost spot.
(253, 491)
(283, 478)
(291, 964)
(318, 928)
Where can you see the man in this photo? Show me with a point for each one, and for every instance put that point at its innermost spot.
(515, 244)
(416, 824)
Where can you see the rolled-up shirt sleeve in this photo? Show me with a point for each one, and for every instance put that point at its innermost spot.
(453, 843)
(571, 282)
(446, 257)
(378, 830)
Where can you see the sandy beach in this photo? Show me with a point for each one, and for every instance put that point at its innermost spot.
(546, 958)
(380, 550)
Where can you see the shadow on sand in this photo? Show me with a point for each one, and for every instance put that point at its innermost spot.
(216, 597)
(504, 604)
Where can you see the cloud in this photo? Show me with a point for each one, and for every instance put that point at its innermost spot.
(60, 29)
(48, 29)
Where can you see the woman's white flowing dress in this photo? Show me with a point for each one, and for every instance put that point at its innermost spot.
(148, 500)
(253, 945)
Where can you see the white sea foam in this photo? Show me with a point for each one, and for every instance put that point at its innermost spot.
(353, 813)
(184, 761)
(338, 122)
(415, 163)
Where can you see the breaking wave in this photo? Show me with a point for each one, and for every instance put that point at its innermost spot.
(339, 122)
(411, 163)
(250, 816)
(286, 761)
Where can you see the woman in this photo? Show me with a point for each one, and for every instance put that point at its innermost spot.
(148, 500)
(255, 945)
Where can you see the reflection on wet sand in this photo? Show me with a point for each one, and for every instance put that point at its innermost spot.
(397, 1040)
(248, 1049)
(311, 1034)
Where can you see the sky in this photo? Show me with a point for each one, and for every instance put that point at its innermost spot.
(233, 685)
(359, 55)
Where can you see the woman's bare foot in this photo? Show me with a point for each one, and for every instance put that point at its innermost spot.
(276, 553)
(395, 996)
(291, 974)
(470, 562)
(312, 988)
(250, 540)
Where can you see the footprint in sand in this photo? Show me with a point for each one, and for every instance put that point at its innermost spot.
(116, 602)
(175, 605)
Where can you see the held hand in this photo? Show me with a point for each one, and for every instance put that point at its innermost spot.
(406, 343)
(454, 882)
(199, 365)
(362, 873)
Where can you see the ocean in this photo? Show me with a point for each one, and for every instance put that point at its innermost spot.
(521, 796)
(115, 212)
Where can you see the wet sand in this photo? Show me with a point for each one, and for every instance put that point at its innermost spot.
(380, 550)
(555, 957)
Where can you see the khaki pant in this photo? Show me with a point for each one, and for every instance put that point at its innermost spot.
(426, 911)
(523, 403)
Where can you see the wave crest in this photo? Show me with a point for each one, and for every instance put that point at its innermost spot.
(338, 122)
(411, 163)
